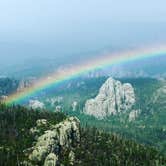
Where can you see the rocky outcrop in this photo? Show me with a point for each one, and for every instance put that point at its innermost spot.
(71, 157)
(41, 125)
(41, 122)
(74, 105)
(51, 160)
(133, 115)
(113, 97)
(159, 96)
(3, 98)
(26, 83)
(58, 108)
(54, 101)
(36, 104)
(58, 137)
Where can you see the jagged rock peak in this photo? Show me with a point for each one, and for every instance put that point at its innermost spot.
(58, 137)
(113, 97)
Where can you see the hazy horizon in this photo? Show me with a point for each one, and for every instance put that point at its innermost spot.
(74, 30)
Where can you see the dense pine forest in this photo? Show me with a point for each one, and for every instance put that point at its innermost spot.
(15, 124)
(95, 147)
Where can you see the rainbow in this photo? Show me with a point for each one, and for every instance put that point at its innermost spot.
(102, 61)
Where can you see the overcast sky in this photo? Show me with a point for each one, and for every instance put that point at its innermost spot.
(61, 28)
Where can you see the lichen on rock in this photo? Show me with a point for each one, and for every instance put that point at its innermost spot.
(60, 136)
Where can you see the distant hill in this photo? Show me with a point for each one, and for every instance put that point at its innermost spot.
(153, 67)
(8, 85)
(148, 67)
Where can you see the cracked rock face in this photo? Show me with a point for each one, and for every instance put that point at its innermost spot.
(113, 97)
(49, 145)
